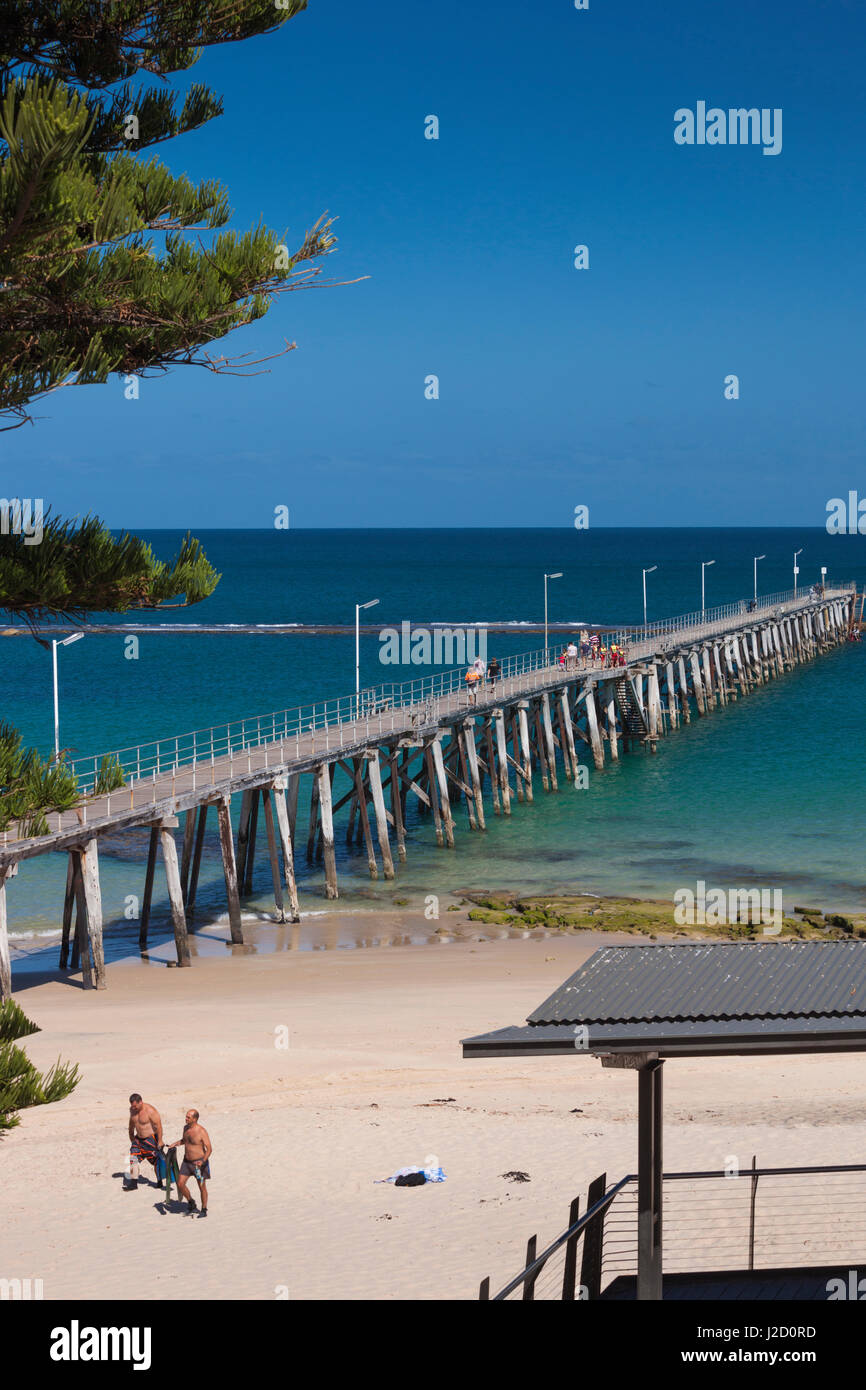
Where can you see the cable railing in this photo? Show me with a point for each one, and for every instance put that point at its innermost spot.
(397, 708)
(757, 1219)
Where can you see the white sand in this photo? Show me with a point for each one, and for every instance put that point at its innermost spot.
(300, 1134)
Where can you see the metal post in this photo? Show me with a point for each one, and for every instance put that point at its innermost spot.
(649, 1256)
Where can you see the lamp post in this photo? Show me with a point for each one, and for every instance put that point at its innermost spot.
(823, 579)
(558, 575)
(645, 573)
(55, 643)
(371, 603)
(705, 564)
(755, 590)
(796, 570)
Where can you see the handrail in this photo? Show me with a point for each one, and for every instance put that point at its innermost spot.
(157, 757)
(574, 1230)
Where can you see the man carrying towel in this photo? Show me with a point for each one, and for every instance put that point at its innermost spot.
(145, 1138)
(197, 1149)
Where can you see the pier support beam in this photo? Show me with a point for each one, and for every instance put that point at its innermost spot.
(323, 781)
(592, 723)
(439, 780)
(397, 805)
(285, 836)
(440, 803)
(196, 858)
(472, 759)
(502, 759)
(695, 663)
(175, 894)
(375, 777)
(566, 729)
(611, 722)
(230, 871)
(525, 754)
(267, 807)
(150, 872)
(549, 745)
(684, 690)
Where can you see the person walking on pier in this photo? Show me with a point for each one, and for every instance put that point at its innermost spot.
(472, 679)
(197, 1149)
(145, 1139)
(494, 671)
(571, 656)
(584, 648)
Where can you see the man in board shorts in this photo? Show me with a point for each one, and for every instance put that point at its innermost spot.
(145, 1139)
(197, 1149)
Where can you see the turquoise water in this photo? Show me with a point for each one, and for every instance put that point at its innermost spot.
(767, 792)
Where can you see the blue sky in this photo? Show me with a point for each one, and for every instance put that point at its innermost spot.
(557, 387)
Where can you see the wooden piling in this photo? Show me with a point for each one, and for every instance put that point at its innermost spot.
(549, 744)
(612, 738)
(148, 887)
(196, 858)
(175, 896)
(697, 683)
(230, 870)
(502, 757)
(472, 759)
(525, 757)
(397, 805)
(268, 809)
(244, 834)
(285, 834)
(323, 780)
(491, 764)
(566, 734)
(249, 862)
(186, 858)
(439, 783)
(374, 773)
(592, 723)
(683, 690)
(364, 816)
(442, 800)
(68, 904)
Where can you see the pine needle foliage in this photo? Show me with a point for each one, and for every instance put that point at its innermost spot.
(85, 290)
(21, 1085)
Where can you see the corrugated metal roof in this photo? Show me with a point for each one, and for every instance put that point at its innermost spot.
(713, 983)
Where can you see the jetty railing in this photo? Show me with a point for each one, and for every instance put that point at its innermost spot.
(400, 707)
(757, 1219)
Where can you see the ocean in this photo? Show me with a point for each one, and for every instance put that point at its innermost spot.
(767, 792)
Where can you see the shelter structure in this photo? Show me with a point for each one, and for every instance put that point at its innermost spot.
(638, 1006)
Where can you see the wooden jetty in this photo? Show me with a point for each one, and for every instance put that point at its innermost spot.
(429, 739)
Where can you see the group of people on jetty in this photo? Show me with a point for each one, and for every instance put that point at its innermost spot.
(589, 649)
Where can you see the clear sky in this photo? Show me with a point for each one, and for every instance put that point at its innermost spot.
(558, 387)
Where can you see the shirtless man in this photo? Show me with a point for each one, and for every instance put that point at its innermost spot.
(197, 1149)
(145, 1138)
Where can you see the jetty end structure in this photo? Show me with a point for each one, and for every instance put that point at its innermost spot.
(430, 738)
(739, 1233)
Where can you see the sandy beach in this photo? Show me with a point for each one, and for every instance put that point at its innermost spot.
(372, 1079)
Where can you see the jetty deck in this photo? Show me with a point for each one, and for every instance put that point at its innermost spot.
(429, 738)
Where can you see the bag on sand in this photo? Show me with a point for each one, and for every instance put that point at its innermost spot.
(409, 1180)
